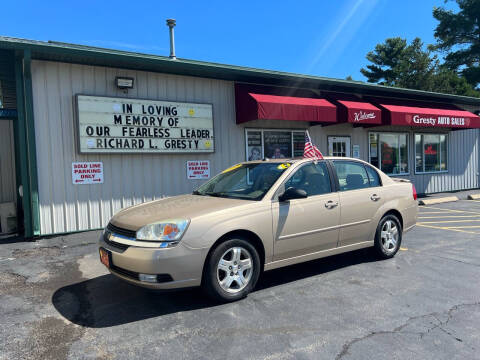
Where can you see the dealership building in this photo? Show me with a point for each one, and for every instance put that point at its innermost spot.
(85, 131)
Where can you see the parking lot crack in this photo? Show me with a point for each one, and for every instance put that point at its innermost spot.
(456, 260)
(440, 325)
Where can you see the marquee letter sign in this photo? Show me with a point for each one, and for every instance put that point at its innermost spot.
(121, 125)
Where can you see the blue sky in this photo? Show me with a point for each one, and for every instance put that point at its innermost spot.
(325, 38)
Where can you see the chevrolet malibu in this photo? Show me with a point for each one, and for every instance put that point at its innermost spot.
(258, 216)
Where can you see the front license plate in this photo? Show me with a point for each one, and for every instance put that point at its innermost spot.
(104, 258)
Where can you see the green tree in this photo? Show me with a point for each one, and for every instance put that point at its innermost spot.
(447, 81)
(458, 35)
(384, 59)
(350, 78)
(412, 66)
(396, 63)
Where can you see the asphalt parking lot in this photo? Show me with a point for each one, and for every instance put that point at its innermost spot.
(57, 301)
(461, 216)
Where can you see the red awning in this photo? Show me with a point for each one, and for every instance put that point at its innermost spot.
(358, 112)
(428, 117)
(273, 107)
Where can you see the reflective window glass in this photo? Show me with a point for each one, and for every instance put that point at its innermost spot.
(313, 178)
(351, 175)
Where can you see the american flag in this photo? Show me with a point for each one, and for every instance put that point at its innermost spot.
(310, 150)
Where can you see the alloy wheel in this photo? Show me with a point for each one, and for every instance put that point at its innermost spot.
(234, 269)
(389, 236)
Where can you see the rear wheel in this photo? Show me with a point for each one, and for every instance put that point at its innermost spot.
(388, 237)
(232, 270)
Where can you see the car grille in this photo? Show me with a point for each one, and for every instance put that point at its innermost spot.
(117, 231)
(114, 244)
(124, 232)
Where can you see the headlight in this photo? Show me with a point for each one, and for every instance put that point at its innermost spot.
(168, 230)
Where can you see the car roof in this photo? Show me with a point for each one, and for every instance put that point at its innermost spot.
(300, 159)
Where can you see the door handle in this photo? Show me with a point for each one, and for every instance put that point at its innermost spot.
(331, 204)
(374, 197)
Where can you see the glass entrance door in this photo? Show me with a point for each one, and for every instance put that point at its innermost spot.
(339, 146)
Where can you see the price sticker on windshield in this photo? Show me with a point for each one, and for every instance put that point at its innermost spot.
(283, 166)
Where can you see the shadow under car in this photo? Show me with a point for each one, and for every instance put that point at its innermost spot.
(107, 301)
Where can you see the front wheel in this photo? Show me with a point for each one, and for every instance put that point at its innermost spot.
(232, 270)
(388, 237)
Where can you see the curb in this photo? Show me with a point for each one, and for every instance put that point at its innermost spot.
(474, 197)
(439, 200)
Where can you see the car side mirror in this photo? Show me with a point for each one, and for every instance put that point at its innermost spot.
(292, 193)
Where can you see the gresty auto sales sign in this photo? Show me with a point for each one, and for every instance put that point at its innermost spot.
(437, 121)
(433, 118)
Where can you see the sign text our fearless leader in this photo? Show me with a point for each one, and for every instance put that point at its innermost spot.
(121, 125)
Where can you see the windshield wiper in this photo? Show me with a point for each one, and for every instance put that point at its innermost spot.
(216, 194)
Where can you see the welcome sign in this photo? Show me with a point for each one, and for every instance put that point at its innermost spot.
(122, 125)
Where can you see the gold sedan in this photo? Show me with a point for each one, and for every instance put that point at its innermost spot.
(257, 216)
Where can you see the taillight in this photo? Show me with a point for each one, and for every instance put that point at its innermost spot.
(414, 192)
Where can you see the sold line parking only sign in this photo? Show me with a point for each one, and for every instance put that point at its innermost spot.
(198, 169)
(86, 173)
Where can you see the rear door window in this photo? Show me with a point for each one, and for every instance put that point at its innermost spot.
(351, 175)
(373, 176)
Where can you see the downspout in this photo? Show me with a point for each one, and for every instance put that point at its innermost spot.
(25, 138)
(21, 145)
(31, 142)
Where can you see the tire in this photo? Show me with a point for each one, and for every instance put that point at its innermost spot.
(387, 240)
(242, 279)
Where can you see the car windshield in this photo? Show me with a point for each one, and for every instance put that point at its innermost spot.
(244, 181)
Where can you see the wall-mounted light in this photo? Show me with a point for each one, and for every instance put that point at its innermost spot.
(124, 82)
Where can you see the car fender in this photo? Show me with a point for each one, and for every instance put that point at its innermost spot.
(397, 198)
(257, 219)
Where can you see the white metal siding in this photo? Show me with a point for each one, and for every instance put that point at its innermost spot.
(462, 165)
(7, 162)
(128, 179)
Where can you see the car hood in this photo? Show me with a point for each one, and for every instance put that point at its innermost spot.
(176, 207)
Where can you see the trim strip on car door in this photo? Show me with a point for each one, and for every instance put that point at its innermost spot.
(286, 237)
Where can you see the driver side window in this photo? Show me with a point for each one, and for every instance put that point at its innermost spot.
(313, 178)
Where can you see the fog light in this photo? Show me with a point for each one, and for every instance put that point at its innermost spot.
(148, 278)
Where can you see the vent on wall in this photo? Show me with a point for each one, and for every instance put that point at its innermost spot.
(8, 97)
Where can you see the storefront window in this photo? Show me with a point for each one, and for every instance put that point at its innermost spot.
(389, 152)
(254, 145)
(298, 143)
(277, 144)
(274, 144)
(430, 153)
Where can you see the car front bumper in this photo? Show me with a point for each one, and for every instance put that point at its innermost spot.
(178, 267)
